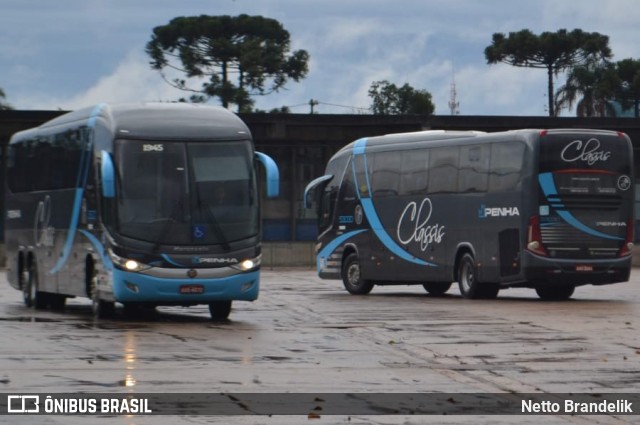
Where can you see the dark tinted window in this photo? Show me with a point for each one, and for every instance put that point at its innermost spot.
(443, 170)
(414, 172)
(584, 151)
(506, 166)
(385, 173)
(46, 162)
(360, 165)
(473, 175)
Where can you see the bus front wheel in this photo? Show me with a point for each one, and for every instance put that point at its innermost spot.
(220, 310)
(102, 309)
(352, 277)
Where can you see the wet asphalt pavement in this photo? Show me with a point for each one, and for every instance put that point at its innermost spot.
(306, 335)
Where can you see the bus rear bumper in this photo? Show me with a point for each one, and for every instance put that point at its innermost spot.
(136, 287)
(543, 270)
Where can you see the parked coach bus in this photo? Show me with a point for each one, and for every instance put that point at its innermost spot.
(544, 209)
(145, 205)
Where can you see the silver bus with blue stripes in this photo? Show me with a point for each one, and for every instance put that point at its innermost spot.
(140, 204)
(543, 209)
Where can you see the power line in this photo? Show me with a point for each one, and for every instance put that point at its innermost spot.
(313, 102)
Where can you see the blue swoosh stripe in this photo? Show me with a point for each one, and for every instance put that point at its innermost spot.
(372, 215)
(381, 233)
(170, 261)
(549, 189)
(335, 243)
(99, 249)
(83, 172)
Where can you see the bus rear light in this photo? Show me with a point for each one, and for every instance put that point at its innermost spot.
(627, 246)
(534, 237)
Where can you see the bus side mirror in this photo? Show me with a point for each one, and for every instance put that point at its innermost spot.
(273, 175)
(314, 189)
(107, 173)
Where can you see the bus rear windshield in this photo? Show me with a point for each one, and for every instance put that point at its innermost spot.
(587, 164)
(585, 152)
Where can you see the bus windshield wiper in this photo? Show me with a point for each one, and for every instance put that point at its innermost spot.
(214, 221)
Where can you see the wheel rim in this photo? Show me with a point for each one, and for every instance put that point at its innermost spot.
(95, 301)
(33, 287)
(466, 276)
(353, 274)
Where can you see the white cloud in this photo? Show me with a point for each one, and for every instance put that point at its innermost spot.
(133, 80)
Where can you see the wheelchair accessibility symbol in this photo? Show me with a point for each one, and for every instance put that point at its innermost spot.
(199, 232)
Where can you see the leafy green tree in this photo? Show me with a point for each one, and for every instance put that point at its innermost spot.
(629, 91)
(591, 88)
(389, 99)
(238, 57)
(4, 106)
(554, 51)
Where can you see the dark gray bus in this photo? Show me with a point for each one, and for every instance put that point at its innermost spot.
(544, 209)
(144, 204)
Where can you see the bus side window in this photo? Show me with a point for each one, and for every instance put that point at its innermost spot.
(506, 166)
(473, 175)
(443, 170)
(414, 172)
(385, 174)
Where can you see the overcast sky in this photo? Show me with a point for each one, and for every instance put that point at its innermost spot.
(65, 54)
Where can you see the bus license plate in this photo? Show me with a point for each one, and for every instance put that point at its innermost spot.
(584, 268)
(192, 289)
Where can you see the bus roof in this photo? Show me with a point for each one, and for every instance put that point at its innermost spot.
(405, 140)
(156, 120)
(411, 137)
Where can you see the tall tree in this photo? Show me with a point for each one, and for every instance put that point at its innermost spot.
(629, 94)
(553, 51)
(4, 106)
(591, 88)
(389, 99)
(238, 57)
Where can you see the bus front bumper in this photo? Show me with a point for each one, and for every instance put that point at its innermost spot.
(137, 287)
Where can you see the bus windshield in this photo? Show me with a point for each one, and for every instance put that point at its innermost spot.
(174, 193)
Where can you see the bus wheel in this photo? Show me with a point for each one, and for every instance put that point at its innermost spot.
(467, 277)
(31, 295)
(555, 293)
(220, 310)
(102, 309)
(437, 289)
(352, 278)
(57, 301)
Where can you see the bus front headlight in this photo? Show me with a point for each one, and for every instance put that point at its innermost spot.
(248, 264)
(127, 263)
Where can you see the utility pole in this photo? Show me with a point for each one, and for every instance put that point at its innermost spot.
(312, 103)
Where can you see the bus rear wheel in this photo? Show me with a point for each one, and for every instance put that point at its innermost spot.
(30, 290)
(468, 281)
(352, 277)
(555, 293)
(437, 289)
(220, 310)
